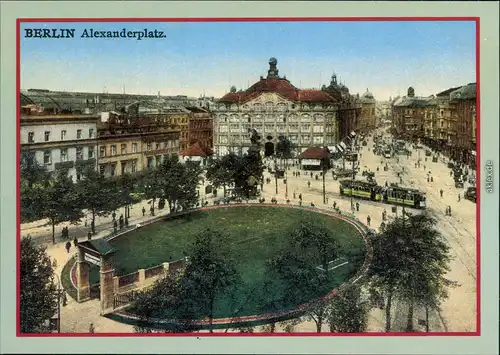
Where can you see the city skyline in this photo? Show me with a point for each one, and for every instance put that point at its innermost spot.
(209, 58)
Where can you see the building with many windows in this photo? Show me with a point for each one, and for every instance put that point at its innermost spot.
(200, 127)
(368, 117)
(445, 122)
(58, 141)
(129, 144)
(274, 107)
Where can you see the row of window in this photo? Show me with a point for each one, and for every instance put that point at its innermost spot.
(63, 154)
(281, 118)
(270, 106)
(279, 128)
(109, 170)
(47, 135)
(124, 148)
(293, 139)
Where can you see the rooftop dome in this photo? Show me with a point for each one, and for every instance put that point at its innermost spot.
(367, 95)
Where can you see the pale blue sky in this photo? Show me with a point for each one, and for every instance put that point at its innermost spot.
(385, 57)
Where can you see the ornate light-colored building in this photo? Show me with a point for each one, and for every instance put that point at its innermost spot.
(58, 141)
(274, 107)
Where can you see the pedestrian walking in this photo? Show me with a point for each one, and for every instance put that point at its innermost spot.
(75, 242)
(113, 215)
(89, 235)
(152, 211)
(121, 222)
(143, 211)
(300, 197)
(68, 246)
(368, 220)
(85, 222)
(357, 206)
(91, 328)
(459, 197)
(334, 204)
(441, 193)
(311, 174)
(308, 184)
(327, 200)
(384, 215)
(115, 226)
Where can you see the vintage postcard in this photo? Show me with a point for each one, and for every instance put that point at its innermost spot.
(249, 176)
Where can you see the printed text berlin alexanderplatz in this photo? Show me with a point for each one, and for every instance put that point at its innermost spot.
(62, 33)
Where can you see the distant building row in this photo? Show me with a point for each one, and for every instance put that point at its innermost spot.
(114, 142)
(446, 121)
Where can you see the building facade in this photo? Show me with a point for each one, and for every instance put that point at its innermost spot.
(59, 141)
(133, 144)
(274, 107)
(368, 118)
(445, 122)
(200, 127)
(348, 109)
(464, 115)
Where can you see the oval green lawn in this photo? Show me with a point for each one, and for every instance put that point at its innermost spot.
(254, 234)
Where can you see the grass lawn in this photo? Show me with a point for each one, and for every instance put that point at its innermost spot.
(254, 234)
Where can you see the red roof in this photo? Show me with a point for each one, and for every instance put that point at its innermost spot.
(314, 153)
(196, 150)
(280, 86)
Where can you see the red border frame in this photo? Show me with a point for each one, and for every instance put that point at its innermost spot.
(253, 19)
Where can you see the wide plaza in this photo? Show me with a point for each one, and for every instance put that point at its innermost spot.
(457, 312)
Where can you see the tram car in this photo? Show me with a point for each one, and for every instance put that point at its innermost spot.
(395, 195)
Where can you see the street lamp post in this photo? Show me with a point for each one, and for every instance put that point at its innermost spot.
(324, 189)
(286, 178)
(353, 177)
(276, 174)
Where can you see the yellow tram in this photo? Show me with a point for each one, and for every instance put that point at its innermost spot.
(392, 195)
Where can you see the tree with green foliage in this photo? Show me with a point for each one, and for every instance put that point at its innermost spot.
(125, 184)
(285, 148)
(301, 279)
(178, 183)
(426, 264)
(221, 171)
(34, 182)
(38, 292)
(164, 301)
(96, 194)
(347, 311)
(61, 201)
(410, 259)
(318, 238)
(210, 274)
(318, 313)
(152, 185)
